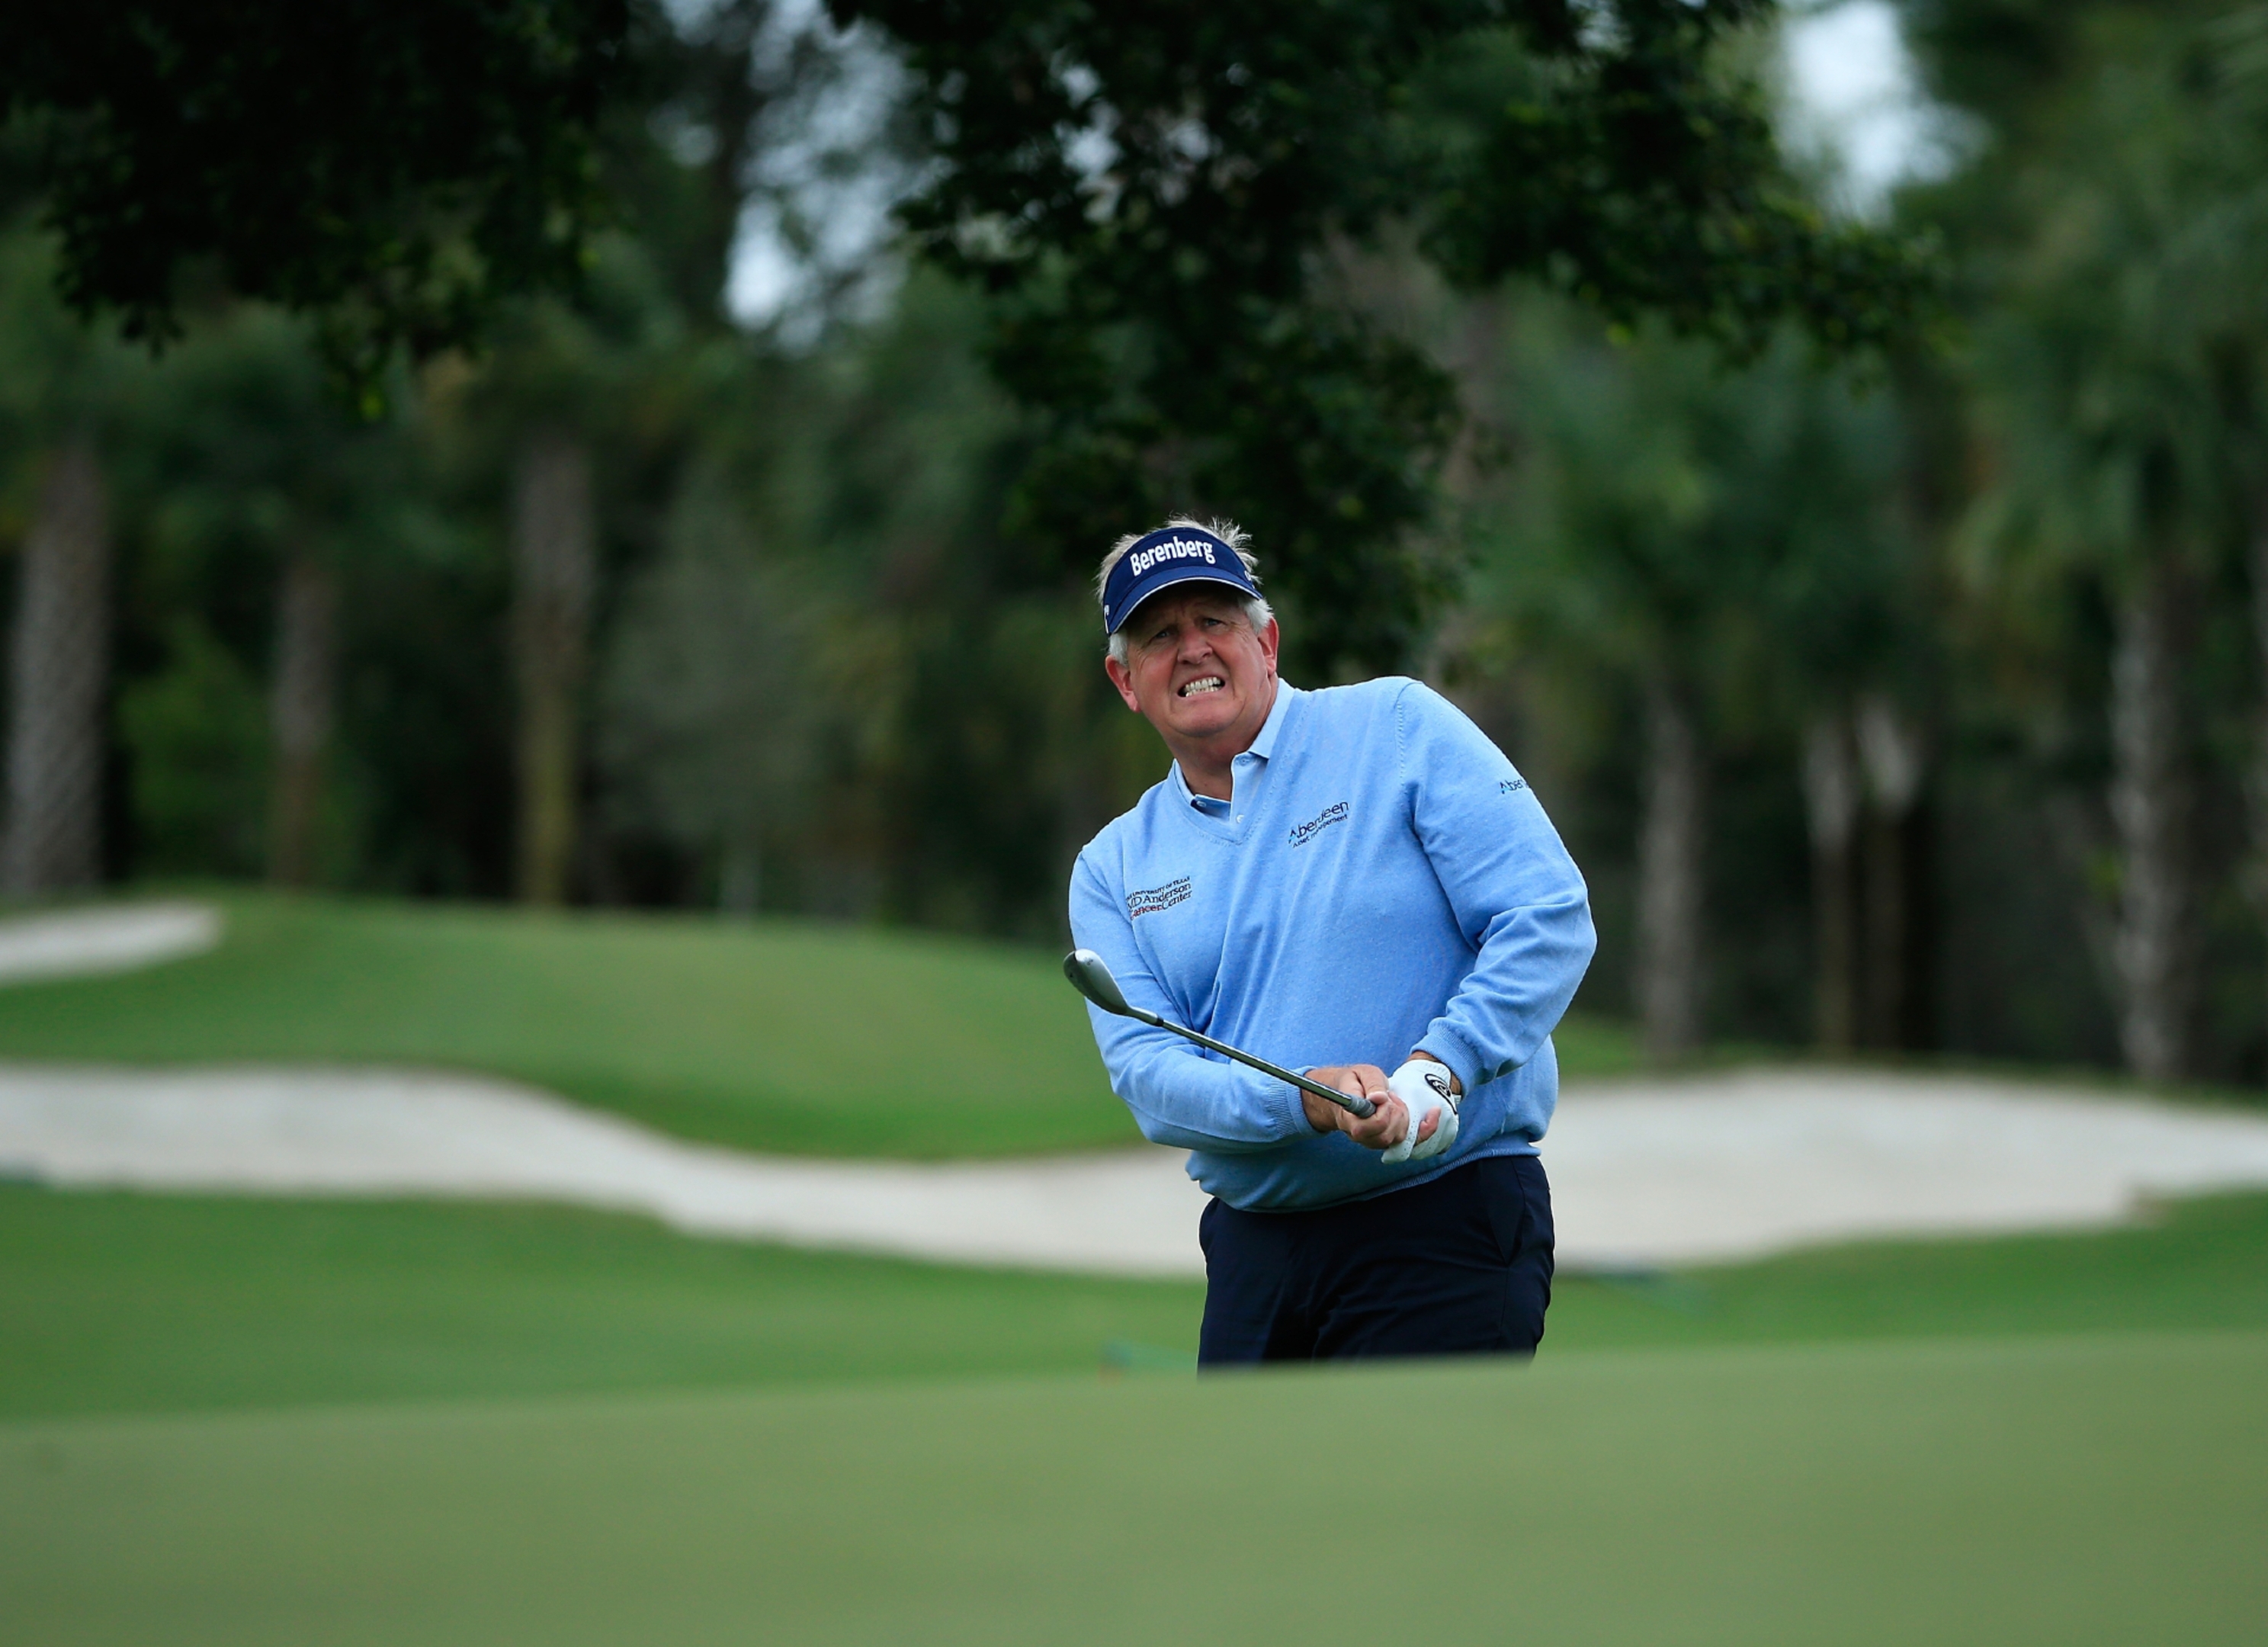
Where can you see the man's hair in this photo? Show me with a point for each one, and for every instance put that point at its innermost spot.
(1256, 610)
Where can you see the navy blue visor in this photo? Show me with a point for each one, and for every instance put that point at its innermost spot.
(1173, 554)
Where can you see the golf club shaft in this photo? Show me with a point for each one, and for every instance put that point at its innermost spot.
(1362, 1107)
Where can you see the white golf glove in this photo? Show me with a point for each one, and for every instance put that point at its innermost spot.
(1424, 1086)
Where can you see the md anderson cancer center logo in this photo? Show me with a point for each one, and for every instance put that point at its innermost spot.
(1172, 548)
(1158, 897)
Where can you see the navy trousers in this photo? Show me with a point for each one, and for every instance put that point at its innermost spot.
(1458, 1267)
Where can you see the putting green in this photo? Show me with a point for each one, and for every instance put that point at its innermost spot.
(778, 1036)
(2065, 1490)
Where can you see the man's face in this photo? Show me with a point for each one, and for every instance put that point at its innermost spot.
(1195, 667)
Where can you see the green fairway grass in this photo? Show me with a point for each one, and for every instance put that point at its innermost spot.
(2064, 1490)
(132, 1303)
(2200, 1263)
(114, 1303)
(778, 1036)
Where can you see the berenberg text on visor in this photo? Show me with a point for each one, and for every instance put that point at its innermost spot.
(1172, 548)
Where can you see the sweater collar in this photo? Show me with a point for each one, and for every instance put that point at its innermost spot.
(1264, 747)
(1272, 729)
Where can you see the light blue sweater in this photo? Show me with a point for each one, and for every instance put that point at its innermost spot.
(1381, 881)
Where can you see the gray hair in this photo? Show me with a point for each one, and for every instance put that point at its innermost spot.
(1257, 612)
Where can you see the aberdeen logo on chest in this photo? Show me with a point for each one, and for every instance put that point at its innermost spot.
(1302, 833)
(1150, 901)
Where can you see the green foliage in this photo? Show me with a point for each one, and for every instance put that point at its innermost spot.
(1153, 197)
(56, 378)
(1644, 179)
(705, 724)
(394, 170)
(843, 654)
(229, 460)
(1732, 537)
(969, 743)
(1734, 529)
(685, 149)
(196, 734)
(2120, 363)
(2110, 493)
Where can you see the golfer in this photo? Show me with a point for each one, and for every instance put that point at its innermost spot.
(1344, 882)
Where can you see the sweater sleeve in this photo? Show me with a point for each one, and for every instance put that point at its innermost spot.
(1516, 894)
(1180, 1093)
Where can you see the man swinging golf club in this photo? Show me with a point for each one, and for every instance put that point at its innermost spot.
(1355, 874)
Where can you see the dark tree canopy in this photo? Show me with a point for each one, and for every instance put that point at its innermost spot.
(1152, 189)
(394, 167)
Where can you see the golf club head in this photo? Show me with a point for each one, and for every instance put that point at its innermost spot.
(1091, 977)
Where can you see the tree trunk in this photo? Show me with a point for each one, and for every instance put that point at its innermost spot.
(553, 559)
(1831, 800)
(1669, 879)
(61, 664)
(2150, 812)
(299, 713)
(738, 880)
(2257, 788)
(1890, 749)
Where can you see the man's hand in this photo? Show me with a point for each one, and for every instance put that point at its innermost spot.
(1429, 1091)
(1384, 1129)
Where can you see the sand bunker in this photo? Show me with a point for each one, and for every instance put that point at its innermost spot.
(1643, 1173)
(1742, 1165)
(69, 942)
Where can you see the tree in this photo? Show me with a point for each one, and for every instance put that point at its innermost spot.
(1152, 193)
(1832, 798)
(711, 694)
(59, 391)
(586, 408)
(555, 567)
(301, 712)
(395, 170)
(1602, 559)
(1710, 551)
(238, 463)
(2119, 376)
(1820, 467)
(61, 657)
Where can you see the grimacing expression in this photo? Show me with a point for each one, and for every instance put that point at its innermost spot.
(1195, 667)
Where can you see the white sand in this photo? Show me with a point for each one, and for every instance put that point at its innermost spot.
(1643, 1173)
(351, 1131)
(114, 939)
(1739, 1165)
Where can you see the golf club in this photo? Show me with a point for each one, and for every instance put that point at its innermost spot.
(1091, 977)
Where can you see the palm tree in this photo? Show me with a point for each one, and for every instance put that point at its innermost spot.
(59, 389)
(240, 445)
(60, 670)
(554, 568)
(1713, 545)
(2116, 381)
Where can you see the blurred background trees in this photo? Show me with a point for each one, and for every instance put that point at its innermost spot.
(1873, 589)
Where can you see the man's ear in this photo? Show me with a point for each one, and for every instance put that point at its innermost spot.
(1122, 678)
(1270, 638)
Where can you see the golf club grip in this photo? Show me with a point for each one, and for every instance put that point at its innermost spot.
(1360, 1107)
(1363, 1109)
